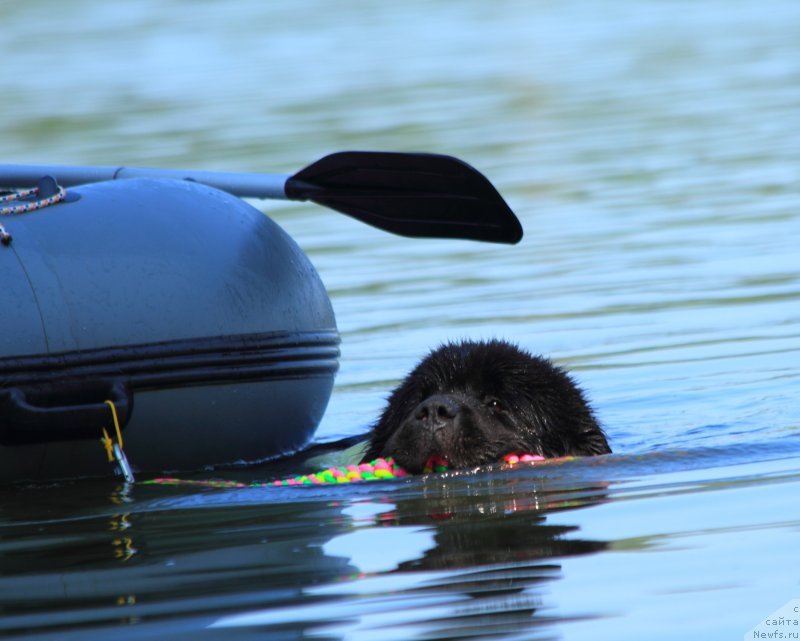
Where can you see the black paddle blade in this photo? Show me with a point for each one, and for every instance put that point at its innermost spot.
(417, 195)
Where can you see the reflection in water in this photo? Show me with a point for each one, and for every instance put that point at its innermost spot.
(480, 550)
(453, 555)
(167, 562)
(480, 522)
(120, 523)
(483, 549)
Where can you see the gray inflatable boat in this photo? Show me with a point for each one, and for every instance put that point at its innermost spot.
(188, 309)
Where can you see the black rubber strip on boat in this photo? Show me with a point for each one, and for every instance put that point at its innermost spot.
(183, 362)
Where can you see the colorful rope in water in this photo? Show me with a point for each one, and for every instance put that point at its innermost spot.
(379, 469)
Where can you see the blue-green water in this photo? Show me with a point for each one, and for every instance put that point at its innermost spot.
(651, 151)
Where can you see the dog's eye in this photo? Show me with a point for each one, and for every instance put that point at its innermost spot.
(494, 405)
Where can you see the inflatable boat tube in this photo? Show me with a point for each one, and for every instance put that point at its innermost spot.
(191, 311)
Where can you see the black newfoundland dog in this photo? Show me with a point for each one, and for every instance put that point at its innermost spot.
(471, 403)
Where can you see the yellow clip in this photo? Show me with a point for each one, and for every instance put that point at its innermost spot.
(109, 445)
(116, 422)
(114, 450)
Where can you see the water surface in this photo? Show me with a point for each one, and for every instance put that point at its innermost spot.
(650, 150)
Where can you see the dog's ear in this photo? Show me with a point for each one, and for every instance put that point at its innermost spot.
(559, 418)
(591, 442)
(399, 404)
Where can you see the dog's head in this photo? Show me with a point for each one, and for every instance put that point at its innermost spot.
(471, 403)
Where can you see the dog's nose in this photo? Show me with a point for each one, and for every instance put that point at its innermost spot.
(437, 410)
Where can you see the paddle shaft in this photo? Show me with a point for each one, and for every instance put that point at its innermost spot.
(245, 185)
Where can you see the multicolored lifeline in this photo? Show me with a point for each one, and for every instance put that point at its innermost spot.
(378, 469)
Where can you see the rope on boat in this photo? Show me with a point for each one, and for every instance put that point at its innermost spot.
(24, 208)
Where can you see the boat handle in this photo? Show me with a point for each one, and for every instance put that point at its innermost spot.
(77, 412)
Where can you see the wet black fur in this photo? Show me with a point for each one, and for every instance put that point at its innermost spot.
(474, 402)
